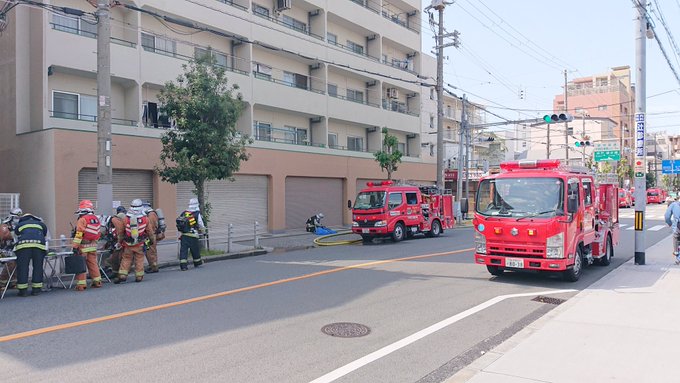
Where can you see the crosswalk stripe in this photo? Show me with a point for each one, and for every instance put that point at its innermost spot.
(622, 225)
(631, 228)
(656, 228)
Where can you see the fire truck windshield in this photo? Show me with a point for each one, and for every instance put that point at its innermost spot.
(370, 200)
(519, 197)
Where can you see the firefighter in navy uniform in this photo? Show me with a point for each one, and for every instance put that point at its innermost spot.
(190, 226)
(31, 247)
(85, 244)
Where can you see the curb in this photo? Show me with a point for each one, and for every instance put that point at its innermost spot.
(215, 258)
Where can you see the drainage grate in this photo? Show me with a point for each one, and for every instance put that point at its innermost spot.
(550, 300)
(345, 330)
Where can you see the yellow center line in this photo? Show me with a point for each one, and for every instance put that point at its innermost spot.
(65, 326)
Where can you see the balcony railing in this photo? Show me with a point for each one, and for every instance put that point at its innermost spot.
(305, 30)
(399, 108)
(403, 65)
(92, 35)
(89, 118)
(231, 2)
(363, 53)
(373, 6)
(270, 78)
(355, 100)
(183, 57)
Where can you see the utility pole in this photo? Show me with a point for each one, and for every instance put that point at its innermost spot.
(468, 165)
(440, 96)
(547, 145)
(463, 128)
(583, 151)
(640, 149)
(656, 164)
(104, 169)
(566, 124)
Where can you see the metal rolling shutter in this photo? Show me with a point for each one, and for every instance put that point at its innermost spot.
(308, 196)
(240, 203)
(127, 185)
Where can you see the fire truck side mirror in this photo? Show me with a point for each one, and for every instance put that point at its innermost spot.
(572, 204)
(349, 203)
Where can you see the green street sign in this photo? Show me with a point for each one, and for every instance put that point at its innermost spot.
(639, 175)
(607, 155)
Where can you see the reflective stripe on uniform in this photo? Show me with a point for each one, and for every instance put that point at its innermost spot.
(97, 279)
(30, 246)
(22, 286)
(182, 261)
(123, 273)
(30, 226)
(83, 282)
(139, 274)
(88, 249)
(37, 285)
(190, 235)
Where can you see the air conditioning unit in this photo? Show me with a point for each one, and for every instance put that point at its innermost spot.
(392, 92)
(282, 5)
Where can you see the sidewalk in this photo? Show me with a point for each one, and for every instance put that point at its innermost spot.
(623, 328)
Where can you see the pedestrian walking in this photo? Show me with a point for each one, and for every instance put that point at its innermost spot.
(190, 226)
(85, 244)
(30, 249)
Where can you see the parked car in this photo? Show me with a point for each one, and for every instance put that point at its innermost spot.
(625, 198)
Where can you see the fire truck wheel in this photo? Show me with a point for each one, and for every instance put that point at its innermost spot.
(609, 253)
(495, 270)
(573, 274)
(398, 233)
(435, 230)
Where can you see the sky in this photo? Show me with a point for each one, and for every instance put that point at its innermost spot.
(513, 45)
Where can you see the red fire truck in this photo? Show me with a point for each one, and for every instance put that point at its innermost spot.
(538, 215)
(383, 209)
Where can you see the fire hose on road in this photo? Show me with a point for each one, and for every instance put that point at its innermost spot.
(322, 241)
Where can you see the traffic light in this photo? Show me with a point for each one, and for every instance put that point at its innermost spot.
(582, 143)
(555, 118)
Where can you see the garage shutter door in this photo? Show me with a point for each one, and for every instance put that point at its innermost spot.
(308, 196)
(240, 203)
(127, 185)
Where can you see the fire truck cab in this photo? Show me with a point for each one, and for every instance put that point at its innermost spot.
(383, 209)
(538, 215)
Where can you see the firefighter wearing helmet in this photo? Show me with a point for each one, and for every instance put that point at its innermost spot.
(116, 225)
(6, 244)
(157, 226)
(85, 244)
(132, 239)
(190, 225)
(30, 248)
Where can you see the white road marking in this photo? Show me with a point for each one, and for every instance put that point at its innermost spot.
(622, 225)
(656, 228)
(355, 365)
(631, 228)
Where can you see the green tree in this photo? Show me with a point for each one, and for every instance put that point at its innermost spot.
(204, 144)
(624, 171)
(389, 157)
(605, 167)
(650, 178)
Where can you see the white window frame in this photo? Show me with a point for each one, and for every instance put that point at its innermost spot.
(356, 139)
(77, 115)
(294, 24)
(260, 10)
(352, 95)
(354, 47)
(333, 93)
(262, 71)
(334, 39)
(79, 26)
(265, 125)
(156, 49)
(335, 145)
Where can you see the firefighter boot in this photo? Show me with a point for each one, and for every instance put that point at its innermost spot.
(198, 263)
(183, 267)
(151, 269)
(139, 279)
(81, 287)
(23, 292)
(96, 284)
(35, 291)
(120, 279)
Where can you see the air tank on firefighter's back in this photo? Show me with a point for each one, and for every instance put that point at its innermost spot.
(161, 218)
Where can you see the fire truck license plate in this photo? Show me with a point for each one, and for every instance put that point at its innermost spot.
(514, 262)
(365, 231)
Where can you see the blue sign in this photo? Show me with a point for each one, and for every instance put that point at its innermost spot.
(670, 166)
(639, 135)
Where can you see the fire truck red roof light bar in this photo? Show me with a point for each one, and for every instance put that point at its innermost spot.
(383, 183)
(530, 164)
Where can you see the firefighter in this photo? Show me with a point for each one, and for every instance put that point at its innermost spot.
(190, 226)
(132, 239)
(30, 247)
(151, 242)
(314, 222)
(116, 225)
(85, 244)
(6, 245)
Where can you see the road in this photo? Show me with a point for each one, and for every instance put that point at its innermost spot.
(259, 319)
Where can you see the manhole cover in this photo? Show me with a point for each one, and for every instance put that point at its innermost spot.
(345, 330)
(550, 300)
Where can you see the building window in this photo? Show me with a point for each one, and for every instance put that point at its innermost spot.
(355, 95)
(293, 135)
(401, 147)
(220, 59)
(294, 24)
(333, 140)
(354, 47)
(332, 90)
(355, 143)
(448, 111)
(262, 71)
(602, 107)
(263, 131)
(73, 25)
(432, 122)
(431, 93)
(260, 10)
(74, 106)
(295, 80)
(159, 45)
(331, 38)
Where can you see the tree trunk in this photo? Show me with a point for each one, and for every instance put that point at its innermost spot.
(200, 193)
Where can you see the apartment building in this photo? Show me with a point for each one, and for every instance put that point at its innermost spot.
(608, 95)
(319, 79)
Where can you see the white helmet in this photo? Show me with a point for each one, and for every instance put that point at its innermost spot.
(319, 216)
(136, 206)
(193, 204)
(16, 212)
